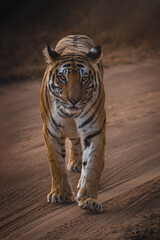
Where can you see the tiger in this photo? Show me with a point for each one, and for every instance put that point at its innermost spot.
(72, 100)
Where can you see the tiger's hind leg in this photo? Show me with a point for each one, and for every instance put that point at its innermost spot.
(75, 155)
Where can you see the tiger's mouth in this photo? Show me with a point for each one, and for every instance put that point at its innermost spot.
(72, 111)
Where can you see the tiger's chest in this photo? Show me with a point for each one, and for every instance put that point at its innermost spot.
(66, 126)
(70, 128)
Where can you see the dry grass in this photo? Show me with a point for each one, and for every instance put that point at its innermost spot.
(127, 30)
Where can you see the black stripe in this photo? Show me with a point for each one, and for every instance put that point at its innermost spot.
(76, 154)
(92, 152)
(45, 107)
(56, 138)
(81, 61)
(50, 73)
(95, 120)
(82, 43)
(89, 137)
(69, 54)
(75, 39)
(75, 56)
(61, 154)
(95, 80)
(64, 114)
(53, 121)
(61, 144)
(78, 114)
(71, 45)
(70, 37)
(92, 116)
(84, 163)
(80, 51)
(78, 55)
(75, 139)
(52, 135)
(77, 143)
(67, 65)
(52, 90)
(100, 67)
(95, 101)
(65, 59)
(80, 66)
(85, 37)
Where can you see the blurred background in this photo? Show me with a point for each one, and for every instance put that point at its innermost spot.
(128, 31)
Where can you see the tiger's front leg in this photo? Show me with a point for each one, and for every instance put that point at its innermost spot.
(92, 167)
(61, 189)
(75, 155)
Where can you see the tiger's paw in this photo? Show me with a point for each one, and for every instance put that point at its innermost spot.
(90, 204)
(59, 198)
(74, 166)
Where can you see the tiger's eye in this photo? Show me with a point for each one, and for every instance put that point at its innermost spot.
(84, 79)
(62, 78)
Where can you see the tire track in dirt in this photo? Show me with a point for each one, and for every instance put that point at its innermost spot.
(73, 214)
(129, 185)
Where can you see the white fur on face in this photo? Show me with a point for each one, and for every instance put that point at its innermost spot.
(84, 70)
(63, 69)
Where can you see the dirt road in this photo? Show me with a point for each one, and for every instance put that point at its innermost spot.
(130, 184)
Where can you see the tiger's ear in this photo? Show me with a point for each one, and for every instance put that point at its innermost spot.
(94, 53)
(50, 54)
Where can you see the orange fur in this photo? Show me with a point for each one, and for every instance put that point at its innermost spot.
(72, 106)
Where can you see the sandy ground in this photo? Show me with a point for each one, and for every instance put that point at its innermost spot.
(130, 184)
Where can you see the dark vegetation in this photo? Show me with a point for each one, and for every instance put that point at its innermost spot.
(128, 31)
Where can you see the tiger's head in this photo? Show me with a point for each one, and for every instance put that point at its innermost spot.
(72, 79)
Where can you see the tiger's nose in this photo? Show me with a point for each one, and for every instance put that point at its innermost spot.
(74, 101)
